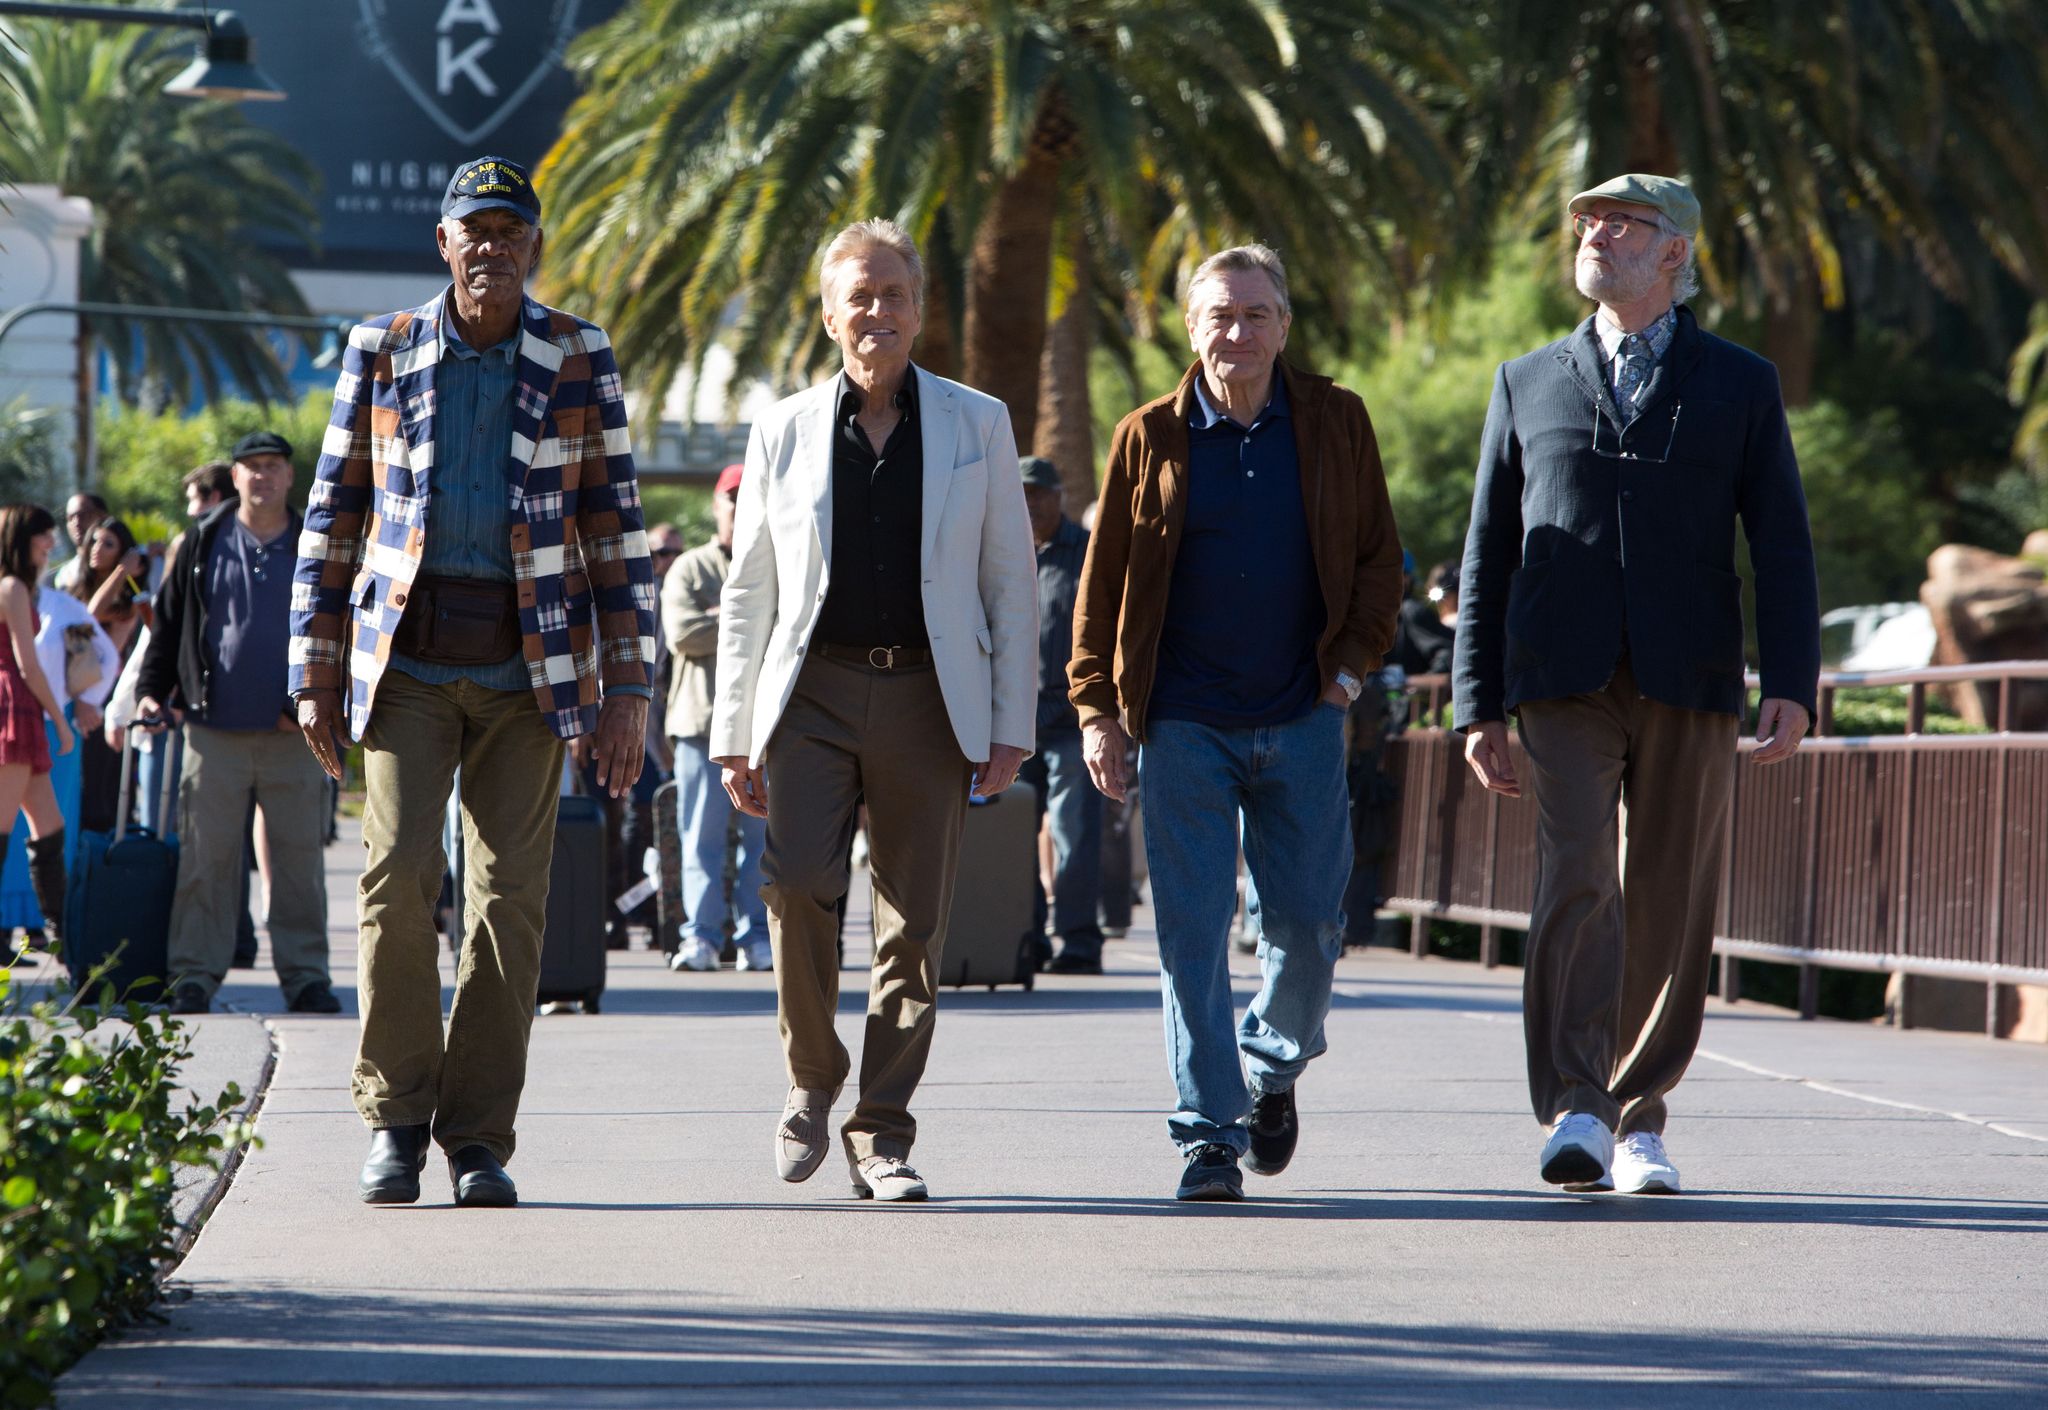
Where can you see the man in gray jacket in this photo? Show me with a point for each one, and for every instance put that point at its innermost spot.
(689, 617)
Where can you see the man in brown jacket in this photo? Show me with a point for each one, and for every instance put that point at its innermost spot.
(1241, 582)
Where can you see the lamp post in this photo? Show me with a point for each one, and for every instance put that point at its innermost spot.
(226, 70)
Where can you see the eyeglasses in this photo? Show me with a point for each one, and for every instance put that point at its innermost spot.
(1617, 225)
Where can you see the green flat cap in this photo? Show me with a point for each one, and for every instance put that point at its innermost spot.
(1669, 198)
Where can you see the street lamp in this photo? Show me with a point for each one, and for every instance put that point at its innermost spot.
(227, 70)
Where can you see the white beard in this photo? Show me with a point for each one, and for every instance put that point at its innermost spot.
(1624, 279)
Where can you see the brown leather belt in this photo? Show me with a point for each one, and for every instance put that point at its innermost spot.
(875, 658)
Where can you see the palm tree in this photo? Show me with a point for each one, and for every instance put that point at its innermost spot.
(1800, 126)
(720, 142)
(175, 186)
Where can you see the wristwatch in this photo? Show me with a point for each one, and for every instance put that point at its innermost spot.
(1353, 687)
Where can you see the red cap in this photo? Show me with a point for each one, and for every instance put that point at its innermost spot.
(729, 480)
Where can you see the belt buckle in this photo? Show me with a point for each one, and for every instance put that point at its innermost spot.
(888, 654)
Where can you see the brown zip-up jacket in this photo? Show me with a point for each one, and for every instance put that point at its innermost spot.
(1122, 604)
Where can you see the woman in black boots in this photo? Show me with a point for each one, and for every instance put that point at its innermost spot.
(27, 533)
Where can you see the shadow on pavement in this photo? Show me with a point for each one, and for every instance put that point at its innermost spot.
(593, 1350)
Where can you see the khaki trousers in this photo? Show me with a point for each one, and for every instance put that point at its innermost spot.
(223, 768)
(406, 1073)
(851, 735)
(1614, 982)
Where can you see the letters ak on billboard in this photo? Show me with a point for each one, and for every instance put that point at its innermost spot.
(388, 97)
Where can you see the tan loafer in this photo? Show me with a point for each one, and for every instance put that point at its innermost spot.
(804, 1137)
(887, 1178)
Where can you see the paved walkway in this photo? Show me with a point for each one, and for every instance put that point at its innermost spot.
(1847, 1239)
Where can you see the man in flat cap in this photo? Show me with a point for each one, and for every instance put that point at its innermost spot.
(218, 654)
(474, 589)
(1599, 603)
(1058, 772)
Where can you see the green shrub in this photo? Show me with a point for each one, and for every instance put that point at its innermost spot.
(93, 1130)
(143, 455)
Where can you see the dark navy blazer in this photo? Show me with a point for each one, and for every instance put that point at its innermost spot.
(1590, 533)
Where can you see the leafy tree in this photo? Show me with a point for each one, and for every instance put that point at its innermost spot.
(1805, 129)
(175, 186)
(719, 143)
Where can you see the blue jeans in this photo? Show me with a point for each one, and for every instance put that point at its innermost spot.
(1060, 775)
(703, 811)
(1286, 782)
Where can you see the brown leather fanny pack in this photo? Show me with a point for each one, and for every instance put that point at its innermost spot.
(459, 622)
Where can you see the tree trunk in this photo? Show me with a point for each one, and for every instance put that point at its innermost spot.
(81, 467)
(1066, 416)
(1790, 334)
(936, 351)
(1007, 276)
(1652, 148)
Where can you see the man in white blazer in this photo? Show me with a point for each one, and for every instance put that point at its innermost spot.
(877, 644)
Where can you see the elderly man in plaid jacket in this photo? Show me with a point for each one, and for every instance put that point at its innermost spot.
(474, 575)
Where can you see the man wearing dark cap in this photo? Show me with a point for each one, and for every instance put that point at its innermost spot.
(218, 653)
(1058, 771)
(474, 589)
(1599, 603)
(704, 813)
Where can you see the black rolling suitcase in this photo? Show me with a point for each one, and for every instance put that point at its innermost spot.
(572, 952)
(988, 932)
(668, 842)
(119, 897)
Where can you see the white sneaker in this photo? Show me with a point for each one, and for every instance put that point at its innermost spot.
(1580, 1151)
(886, 1178)
(698, 954)
(1642, 1168)
(756, 954)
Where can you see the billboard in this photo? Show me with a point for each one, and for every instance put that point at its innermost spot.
(387, 97)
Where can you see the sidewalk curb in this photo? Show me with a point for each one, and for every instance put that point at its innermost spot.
(216, 1190)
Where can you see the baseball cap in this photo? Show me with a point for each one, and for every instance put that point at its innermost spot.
(1671, 199)
(1039, 472)
(729, 479)
(261, 443)
(491, 183)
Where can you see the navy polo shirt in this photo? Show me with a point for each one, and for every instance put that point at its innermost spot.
(1245, 608)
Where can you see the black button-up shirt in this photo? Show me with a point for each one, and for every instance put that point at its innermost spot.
(874, 597)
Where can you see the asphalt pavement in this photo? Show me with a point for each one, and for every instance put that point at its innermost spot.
(1865, 1223)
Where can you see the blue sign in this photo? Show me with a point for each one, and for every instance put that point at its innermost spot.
(388, 97)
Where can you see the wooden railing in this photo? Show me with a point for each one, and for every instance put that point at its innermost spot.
(1915, 853)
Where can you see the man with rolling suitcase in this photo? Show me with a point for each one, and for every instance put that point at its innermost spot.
(878, 641)
(474, 575)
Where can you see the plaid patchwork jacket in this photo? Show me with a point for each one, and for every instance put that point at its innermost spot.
(579, 544)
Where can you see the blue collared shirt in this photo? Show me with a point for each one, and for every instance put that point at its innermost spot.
(1245, 607)
(469, 512)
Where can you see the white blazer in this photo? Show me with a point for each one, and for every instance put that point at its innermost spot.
(979, 570)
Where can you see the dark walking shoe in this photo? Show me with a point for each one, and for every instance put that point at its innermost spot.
(480, 1182)
(1211, 1174)
(317, 997)
(1274, 1129)
(1070, 962)
(191, 998)
(397, 1156)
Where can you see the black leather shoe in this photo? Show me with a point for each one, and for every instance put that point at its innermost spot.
(480, 1182)
(317, 997)
(1070, 962)
(1274, 1130)
(397, 1156)
(191, 998)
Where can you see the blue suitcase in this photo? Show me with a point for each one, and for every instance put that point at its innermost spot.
(118, 905)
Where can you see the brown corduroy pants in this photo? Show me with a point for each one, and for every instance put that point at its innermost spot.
(1632, 802)
(851, 735)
